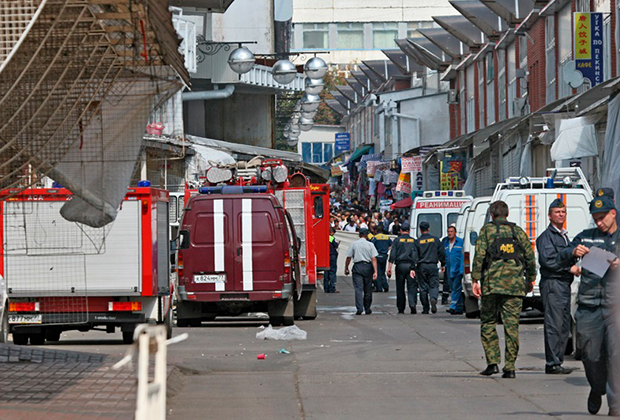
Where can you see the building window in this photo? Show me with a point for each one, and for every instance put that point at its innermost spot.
(384, 34)
(471, 104)
(481, 120)
(412, 28)
(315, 35)
(550, 57)
(306, 152)
(317, 152)
(523, 63)
(328, 152)
(501, 83)
(350, 36)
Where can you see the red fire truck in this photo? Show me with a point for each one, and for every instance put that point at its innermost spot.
(306, 211)
(63, 275)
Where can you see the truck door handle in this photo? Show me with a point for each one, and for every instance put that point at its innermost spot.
(238, 251)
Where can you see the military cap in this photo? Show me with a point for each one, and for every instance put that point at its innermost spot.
(404, 226)
(605, 191)
(424, 226)
(364, 231)
(556, 204)
(602, 204)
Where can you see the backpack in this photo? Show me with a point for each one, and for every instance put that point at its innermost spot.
(505, 249)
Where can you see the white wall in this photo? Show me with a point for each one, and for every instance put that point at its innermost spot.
(369, 10)
(433, 114)
(247, 20)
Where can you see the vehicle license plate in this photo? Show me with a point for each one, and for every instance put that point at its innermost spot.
(209, 278)
(25, 319)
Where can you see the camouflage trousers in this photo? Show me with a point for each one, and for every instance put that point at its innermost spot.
(510, 308)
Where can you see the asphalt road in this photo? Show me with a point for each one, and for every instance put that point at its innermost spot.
(379, 366)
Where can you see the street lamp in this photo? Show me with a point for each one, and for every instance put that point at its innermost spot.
(313, 86)
(308, 115)
(241, 60)
(284, 72)
(315, 68)
(305, 124)
(310, 103)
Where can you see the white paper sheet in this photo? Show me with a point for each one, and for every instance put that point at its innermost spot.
(597, 261)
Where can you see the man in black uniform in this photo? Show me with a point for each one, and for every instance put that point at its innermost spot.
(427, 252)
(383, 243)
(401, 254)
(555, 288)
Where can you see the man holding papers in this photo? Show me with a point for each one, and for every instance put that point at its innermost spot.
(596, 327)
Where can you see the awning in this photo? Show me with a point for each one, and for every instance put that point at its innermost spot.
(358, 154)
(245, 149)
(402, 204)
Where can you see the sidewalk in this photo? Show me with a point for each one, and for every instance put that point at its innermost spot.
(37, 383)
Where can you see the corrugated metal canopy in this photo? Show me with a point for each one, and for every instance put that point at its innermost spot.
(462, 29)
(383, 68)
(349, 93)
(363, 80)
(374, 78)
(357, 86)
(336, 106)
(402, 61)
(512, 11)
(443, 40)
(484, 18)
(344, 101)
(411, 52)
(430, 59)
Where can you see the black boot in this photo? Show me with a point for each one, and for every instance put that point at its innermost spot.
(490, 370)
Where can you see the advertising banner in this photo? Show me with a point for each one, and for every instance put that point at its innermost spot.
(336, 170)
(411, 164)
(452, 173)
(588, 36)
(404, 183)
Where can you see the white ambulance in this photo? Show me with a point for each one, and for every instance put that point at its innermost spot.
(528, 202)
(439, 208)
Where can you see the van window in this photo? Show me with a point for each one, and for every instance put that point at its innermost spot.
(203, 231)
(452, 219)
(318, 207)
(262, 228)
(434, 220)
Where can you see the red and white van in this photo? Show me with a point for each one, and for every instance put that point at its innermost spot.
(439, 208)
(236, 255)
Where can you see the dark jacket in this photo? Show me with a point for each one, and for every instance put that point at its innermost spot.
(383, 243)
(549, 244)
(428, 249)
(402, 249)
(333, 247)
(592, 288)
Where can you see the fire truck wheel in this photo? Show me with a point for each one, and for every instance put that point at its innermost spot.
(20, 339)
(37, 339)
(168, 324)
(128, 337)
(4, 327)
(182, 323)
(52, 335)
(288, 320)
(276, 321)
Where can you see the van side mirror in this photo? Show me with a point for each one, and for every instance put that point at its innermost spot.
(183, 241)
(473, 237)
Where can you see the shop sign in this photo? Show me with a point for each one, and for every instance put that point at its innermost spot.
(343, 142)
(588, 36)
(404, 183)
(411, 164)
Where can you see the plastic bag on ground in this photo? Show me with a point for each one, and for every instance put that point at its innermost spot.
(286, 333)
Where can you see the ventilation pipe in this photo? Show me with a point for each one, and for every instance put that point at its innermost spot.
(207, 95)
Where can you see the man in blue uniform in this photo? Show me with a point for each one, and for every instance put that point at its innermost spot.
(427, 252)
(329, 285)
(453, 247)
(555, 288)
(401, 256)
(597, 324)
(382, 243)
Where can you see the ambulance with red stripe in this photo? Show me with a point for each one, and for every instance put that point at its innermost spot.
(439, 209)
(528, 202)
(248, 243)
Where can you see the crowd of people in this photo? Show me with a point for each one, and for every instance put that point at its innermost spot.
(503, 273)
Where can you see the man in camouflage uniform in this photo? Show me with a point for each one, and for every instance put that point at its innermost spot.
(503, 256)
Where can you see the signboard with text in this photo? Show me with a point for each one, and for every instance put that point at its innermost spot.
(412, 164)
(588, 36)
(343, 142)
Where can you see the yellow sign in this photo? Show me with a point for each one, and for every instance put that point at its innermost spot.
(583, 31)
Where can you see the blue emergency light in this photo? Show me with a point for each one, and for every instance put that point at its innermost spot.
(233, 189)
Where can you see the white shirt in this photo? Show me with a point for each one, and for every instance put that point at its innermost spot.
(362, 251)
(349, 228)
(363, 226)
(342, 224)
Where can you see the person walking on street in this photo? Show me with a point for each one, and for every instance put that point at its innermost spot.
(401, 256)
(382, 243)
(427, 252)
(453, 247)
(364, 256)
(555, 288)
(350, 227)
(596, 319)
(503, 255)
(329, 283)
